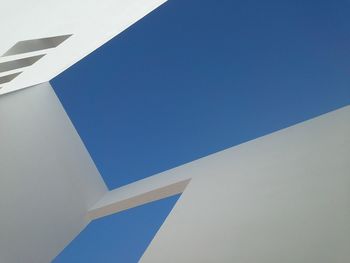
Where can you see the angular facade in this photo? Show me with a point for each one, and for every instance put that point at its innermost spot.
(283, 197)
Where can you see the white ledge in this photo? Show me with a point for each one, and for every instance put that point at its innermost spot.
(138, 193)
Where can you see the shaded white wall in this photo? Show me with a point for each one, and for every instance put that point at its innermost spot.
(47, 178)
(284, 198)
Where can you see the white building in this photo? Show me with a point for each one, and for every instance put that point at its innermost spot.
(284, 197)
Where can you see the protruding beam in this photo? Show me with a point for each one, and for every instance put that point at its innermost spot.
(138, 193)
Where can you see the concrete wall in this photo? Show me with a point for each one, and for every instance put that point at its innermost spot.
(284, 198)
(47, 178)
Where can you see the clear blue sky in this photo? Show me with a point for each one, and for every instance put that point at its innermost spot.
(190, 79)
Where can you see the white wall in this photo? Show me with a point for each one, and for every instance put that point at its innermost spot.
(282, 198)
(90, 22)
(47, 178)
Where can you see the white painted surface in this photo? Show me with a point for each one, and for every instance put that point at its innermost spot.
(92, 23)
(284, 198)
(140, 192)
(47, 178)
(281, 198)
